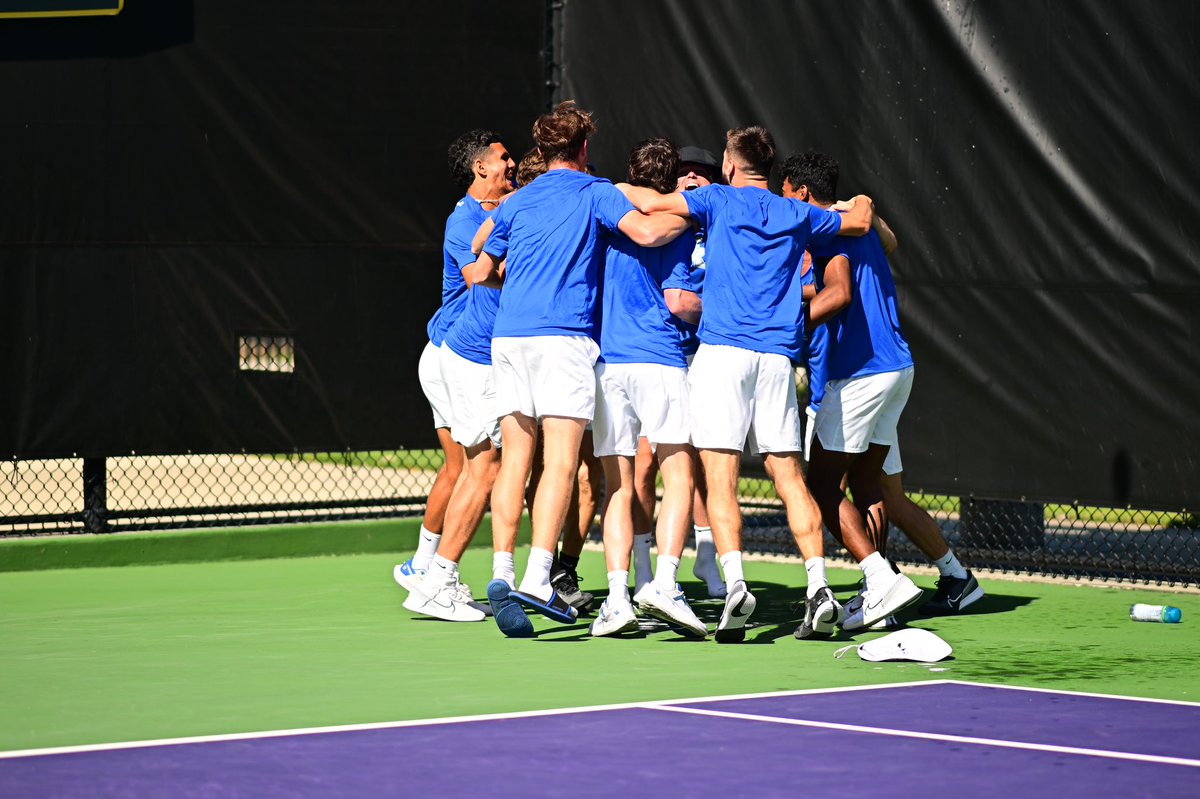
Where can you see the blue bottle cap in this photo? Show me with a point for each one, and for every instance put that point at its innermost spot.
(1171, 615)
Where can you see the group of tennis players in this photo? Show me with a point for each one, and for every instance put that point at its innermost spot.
(656, 324)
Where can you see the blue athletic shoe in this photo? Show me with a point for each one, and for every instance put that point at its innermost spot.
(510, 617)
(555, 608)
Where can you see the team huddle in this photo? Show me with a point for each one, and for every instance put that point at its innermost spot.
(655, 325)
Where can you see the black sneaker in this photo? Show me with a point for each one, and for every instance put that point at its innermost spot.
(566, 583)
(822, 613)
(953, 595)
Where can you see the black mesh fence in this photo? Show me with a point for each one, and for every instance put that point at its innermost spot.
(1066, 540)
(76, 495)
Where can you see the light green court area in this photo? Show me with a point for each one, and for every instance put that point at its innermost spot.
(228, 635)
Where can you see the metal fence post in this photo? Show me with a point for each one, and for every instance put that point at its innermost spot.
(95, 495)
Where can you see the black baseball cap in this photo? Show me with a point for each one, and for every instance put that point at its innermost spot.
(698, 156)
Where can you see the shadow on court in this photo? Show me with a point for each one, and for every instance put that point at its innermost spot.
(779, 611)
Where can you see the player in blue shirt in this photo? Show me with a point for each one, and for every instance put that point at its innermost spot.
(697, 168)
(867, 378)
(642, 390)
(957, 587)
(548, 237)
(582, 509)
(483, 169)
(741, 379)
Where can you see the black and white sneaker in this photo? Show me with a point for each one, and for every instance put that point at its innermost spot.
(953, 595)
(739, 604)
(566, 583)
(822, 614)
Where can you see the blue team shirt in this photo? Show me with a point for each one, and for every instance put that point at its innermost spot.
(755, 241)
(636, 325)
(471, 335)
(461, 226)
(550, 231)
(865, 338)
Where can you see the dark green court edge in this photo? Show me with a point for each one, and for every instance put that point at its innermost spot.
(148, 636)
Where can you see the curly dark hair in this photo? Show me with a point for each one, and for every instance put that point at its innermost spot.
(465, 150)
(817, 171)
(654, 163)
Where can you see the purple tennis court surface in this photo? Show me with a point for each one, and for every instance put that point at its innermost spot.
(898, 741)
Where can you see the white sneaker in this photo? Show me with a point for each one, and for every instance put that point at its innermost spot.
(883, 600)
(854, 604)
(739, 604)
(443, 602)
(615, 617)
(670, 607)
(406, 575)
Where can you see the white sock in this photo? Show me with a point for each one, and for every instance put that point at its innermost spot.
(706, 552)
(666, 572)
(816, 575)
(426, 549)
(442, 571)
(731, 564)
(642, 571)
(705, 567)
(618, 586)
(536, 581)
(504, 569)
(874, 567)
(949, 566)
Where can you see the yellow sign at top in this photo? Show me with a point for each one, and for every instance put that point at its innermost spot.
(60, 8)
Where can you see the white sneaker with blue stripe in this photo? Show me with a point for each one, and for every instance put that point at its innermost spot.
(408, 577)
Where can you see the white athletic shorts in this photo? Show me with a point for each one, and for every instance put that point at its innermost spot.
(892, 463)
(429, 372)
(473, 417)
(640, 399)
(735, 392)
(543, 376)
(859, 411)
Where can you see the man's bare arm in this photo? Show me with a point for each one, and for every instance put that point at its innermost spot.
(856, 221)
(886, 237)
(487, 271)
(834, 297)
(481, 235)
(648, 201)
(654, 230)
(684, 304)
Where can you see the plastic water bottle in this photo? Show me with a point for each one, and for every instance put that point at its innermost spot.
(1167, 614)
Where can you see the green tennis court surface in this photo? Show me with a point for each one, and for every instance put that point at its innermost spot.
(225, 645)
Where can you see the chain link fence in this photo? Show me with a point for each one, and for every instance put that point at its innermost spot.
(76, 495)
(1054, 539)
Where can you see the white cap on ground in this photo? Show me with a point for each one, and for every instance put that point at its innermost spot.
(907, 644)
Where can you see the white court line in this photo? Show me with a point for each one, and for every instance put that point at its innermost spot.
(660, 704)
(389, 725)
(933, 736)
(1182, 702)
